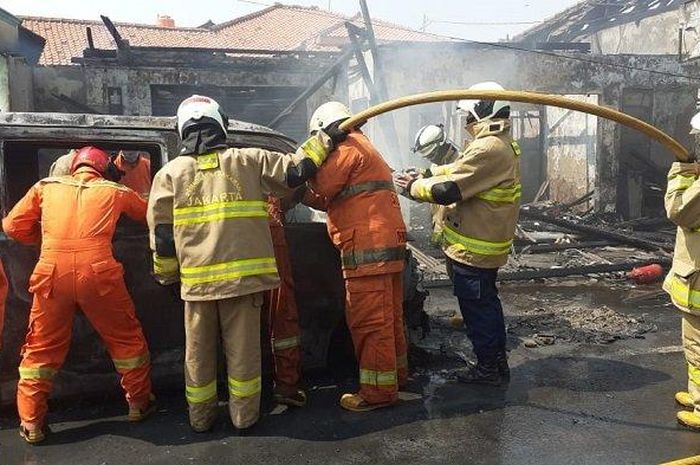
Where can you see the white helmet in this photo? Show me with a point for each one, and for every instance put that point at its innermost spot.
(433, 144)
(483, 109)
(193, 109)
(695, 124)
(327, 114)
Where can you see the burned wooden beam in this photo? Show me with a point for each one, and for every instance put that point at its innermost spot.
(122, 45)
(309, 91)
(627, 238)
(542, 273)
(355, 34)
(90, 41)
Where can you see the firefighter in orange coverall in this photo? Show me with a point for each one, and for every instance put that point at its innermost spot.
(365, 224)
(74, 218)
(137, 171)
(280, 309)
(4, 287)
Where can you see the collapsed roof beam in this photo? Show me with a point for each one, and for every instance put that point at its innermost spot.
(122, 44)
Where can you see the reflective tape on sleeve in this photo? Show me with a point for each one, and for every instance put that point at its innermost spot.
(286, 343)
(679, 183)
(220, 211)
(516, 148)
(165, 266)
(681, 294)
(315, 150)
(694, 375)
(422, 190)
(201, 394)
(378, 378)
(131, 363)
(37, 373)
(244, 388)
(476, 246)
(503, 194)
(234, 269)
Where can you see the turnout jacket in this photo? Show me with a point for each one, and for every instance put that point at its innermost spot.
(682, 203)
(208, 217)
(481, 191)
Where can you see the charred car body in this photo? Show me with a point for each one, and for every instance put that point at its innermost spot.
(31, 142)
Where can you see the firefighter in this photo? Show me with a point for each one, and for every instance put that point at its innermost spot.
(136, 167)
(365, 224)
(74, 218)
(209, 231)
(481, 192)
(282, 317)
(4, 290)
(683, 282)
(433, 144)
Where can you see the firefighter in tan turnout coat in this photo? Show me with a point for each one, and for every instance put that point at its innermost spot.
(208, 220)
(683, 282)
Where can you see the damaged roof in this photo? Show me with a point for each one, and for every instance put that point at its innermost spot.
(590, 16)
(278, 28)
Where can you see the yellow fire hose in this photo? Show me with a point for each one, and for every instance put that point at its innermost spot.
(689, 461)
(678, 150)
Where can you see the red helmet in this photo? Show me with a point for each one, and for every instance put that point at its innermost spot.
(93, 157)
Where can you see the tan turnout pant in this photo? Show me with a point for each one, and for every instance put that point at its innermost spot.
(237, 320)
(691, 347)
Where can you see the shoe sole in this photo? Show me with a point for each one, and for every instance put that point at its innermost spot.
(147, 413)
(367, 407)
(687, 426)
(31, 441)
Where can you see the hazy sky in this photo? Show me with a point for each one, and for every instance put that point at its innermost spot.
(478, 13)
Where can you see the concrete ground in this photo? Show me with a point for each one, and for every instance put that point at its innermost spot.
(567, 404)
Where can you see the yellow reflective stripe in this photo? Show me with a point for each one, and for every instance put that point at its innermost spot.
(442, 170)
(165, 266)
(476, 246)
(287, 343)
(208, 161)
(694, 374)
(36, 372)
(516, 148)
(315, 150)
(229, 270)
(131, 363)
(219, 211)
(503, 194)
(679, 183)
(378, 378)
(200, 394)
(240, 388)
(423, 190)
(70, 181)
(681, 293)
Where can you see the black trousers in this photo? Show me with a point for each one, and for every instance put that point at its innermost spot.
(476, 291)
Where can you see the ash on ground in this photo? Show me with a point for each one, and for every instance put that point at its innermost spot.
(540, 326)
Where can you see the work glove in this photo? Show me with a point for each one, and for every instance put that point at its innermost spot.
(402, 182)
(336, 134)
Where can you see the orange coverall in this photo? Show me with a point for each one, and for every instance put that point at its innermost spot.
(4, 287)
(281, 308)
(137, 176)
(74, 219)
(365, 224)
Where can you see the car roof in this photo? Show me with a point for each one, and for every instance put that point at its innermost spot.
(86, 120)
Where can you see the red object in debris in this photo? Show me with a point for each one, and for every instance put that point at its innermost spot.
(646, 274)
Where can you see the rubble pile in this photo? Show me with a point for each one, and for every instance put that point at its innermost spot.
(574, 324)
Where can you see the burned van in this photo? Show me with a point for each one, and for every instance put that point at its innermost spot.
(29, 145)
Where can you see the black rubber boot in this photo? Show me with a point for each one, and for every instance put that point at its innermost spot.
(482, 373)
(503, 368)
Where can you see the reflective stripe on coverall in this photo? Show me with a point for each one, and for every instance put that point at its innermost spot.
(369, 231)
(209, 229)
(75, 218)
(280, 308)
(137, 176)
(682, 203)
